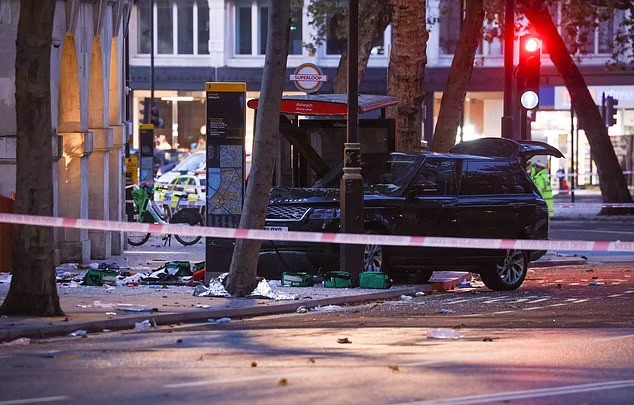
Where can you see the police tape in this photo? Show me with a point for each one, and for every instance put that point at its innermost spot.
(317, 237)
(594, 205)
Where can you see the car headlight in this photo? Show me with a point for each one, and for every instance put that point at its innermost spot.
(324, 213)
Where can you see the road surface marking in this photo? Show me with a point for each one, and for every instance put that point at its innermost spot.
(502, 312)
(557, 305)
(531, 308)
(580, 301)
(616, 337)
(455, 301)
(493, 300)
(558, 281)
(536, 393)
(629, 292)
(615, 295)
(574, 284)
(539, 300)
(34, 400)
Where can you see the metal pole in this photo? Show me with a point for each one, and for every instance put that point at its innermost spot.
(572, 154)
(351, 187)
(523, 124)
(151, 55)
(509, 39)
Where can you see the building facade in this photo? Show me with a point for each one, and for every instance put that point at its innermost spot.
(88, 100)
(224, 40)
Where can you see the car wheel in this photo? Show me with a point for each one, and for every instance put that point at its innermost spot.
(375, 258)
(508, 274)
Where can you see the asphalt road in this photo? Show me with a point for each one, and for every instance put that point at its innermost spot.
(564, 338)
(593, 230)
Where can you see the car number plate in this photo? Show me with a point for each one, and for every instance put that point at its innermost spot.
(276, 228)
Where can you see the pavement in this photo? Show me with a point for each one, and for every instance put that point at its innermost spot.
(104, 309)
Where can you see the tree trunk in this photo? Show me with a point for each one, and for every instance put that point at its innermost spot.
(242, 273)
(374, 17)
(407, 71)
(612, 181)
(33, 290)
(451, 105)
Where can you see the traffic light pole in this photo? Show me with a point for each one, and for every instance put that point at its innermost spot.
(509, 40)
(151, 55)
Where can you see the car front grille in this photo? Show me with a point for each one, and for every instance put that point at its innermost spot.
(286, 213)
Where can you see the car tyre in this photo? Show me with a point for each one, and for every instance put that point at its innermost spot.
(509, 273)
(375, 258)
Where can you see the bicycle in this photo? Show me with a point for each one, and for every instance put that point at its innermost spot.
(147, 211)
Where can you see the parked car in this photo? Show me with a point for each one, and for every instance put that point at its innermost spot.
(428, 194)
(194, 186)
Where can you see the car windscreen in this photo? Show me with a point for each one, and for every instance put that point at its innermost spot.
(193, 162)
(382, 173)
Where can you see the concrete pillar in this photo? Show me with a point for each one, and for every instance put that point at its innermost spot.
(117, 182)
(74, 244)
(98, 191)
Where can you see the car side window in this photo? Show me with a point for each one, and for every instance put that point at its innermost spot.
(486, 177)
(435, 177)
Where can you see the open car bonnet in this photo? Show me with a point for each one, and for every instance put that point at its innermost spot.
(506, 148)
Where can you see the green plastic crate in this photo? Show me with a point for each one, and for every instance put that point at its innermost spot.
(373, 279)
(96, 277)
(297, 279)
(178, 268)
(338, 279)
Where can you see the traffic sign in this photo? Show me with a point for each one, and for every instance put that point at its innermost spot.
(308, 78)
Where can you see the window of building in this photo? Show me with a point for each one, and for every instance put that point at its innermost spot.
(334, 44)
(449, 24)
(185, 13)
(165, 26)
(296, 41)
(202, 8)
(144, 22)
(263, 28)
(182, 27)
(605, 33)
(243, 31)
(244, 45)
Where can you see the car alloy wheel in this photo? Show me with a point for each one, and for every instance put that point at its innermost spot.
(373, 258)
(509, 274)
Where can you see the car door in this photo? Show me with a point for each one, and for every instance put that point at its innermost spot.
(492, 202)
(430, 204)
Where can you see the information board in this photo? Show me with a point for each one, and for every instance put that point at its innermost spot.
(146, 153)
(226, 130)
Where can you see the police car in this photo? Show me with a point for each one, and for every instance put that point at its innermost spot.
(193, 185)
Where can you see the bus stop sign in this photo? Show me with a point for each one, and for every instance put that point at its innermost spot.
(308, 78)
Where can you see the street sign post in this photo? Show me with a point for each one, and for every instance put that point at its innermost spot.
(226, 130)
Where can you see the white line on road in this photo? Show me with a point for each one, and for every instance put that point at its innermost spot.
(580, 301)
(557, 305)
(536, 393)
(531, 308)
(502, 312)
(33, 400)
(616, 337)
(539, 300)
(614, 295)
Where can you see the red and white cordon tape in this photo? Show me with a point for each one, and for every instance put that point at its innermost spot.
(346, 238)
(594, 205)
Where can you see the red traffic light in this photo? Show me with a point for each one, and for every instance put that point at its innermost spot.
(531, 44)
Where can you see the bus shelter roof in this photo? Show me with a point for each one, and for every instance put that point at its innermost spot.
(328, 104)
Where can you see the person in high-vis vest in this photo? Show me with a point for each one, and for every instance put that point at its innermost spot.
(542, 181)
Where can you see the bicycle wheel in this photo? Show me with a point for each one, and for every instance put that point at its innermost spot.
(191, 217)
(137, 238)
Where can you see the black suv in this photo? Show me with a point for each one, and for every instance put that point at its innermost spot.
(429, 194)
